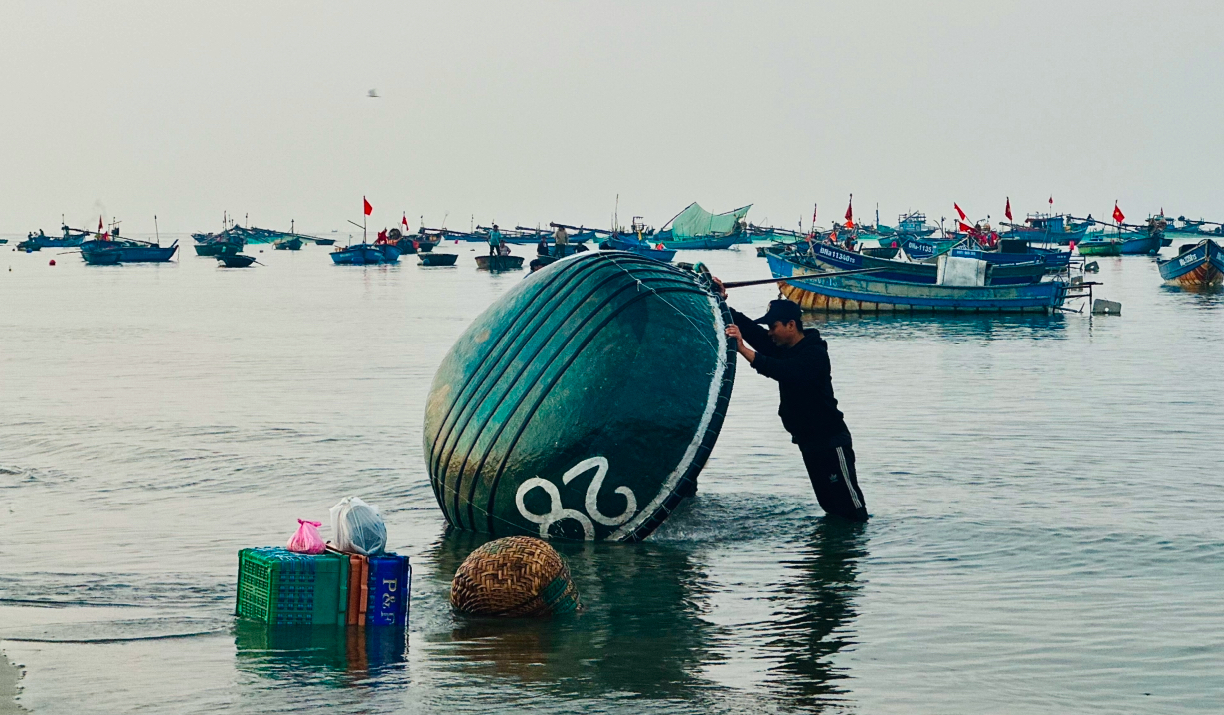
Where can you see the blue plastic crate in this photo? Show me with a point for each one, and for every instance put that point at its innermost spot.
(390, 585)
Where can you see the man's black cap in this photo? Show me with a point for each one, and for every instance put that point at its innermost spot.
(781, 311)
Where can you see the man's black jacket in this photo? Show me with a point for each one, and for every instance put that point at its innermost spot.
(805, 384)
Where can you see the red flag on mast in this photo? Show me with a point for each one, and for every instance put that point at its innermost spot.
(1117, 214)
(1007, 211)
(850, 213)
(964, 227)
(959, 211)
(404, 221)
(366, 206)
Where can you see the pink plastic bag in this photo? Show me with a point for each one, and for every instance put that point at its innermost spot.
(306, 539)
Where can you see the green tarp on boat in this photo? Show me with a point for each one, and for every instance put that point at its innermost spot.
(695, 221)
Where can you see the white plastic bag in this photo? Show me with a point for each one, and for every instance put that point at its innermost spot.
(357, 527)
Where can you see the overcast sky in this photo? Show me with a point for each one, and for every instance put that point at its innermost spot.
(531, 112)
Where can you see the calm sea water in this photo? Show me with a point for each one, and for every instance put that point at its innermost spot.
(1046, 493)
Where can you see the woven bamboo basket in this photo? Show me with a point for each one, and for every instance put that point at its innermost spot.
(514, 577)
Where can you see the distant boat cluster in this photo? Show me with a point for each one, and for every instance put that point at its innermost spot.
(1036, 265)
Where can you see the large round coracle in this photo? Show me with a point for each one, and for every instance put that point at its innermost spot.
(583, 403)
(514, 577)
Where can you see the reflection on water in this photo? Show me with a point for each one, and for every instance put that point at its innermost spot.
(951, 327)
(815, 606)
(332, 655)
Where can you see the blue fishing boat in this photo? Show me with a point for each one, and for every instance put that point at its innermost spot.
(1011, 252)
(358, 254)
(867, 293)
(122, 250)
(913, 224)
(1047, 228)
(921, 249)
(633, 244)
(832, 258)
(71, 238)
(1197, 265)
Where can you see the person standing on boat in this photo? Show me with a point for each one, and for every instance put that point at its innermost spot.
(495, 240)
(561, 238)
(799, 360)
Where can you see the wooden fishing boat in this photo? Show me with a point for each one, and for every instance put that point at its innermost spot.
(638, 246)
(833, 258)
(109, 252)
(358, 254)
(437, 258)
(1098, 245)
(1020, 252)
(921, 249)
(235, 260)
(870, 294)
(499, 263)
(1047, 228)
(217, 248)
(292, 243)
(71, 238)
(583, 403)
(1197, 266)
(324, 241)
(912, 224)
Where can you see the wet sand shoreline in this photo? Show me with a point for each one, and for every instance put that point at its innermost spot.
(10, 677)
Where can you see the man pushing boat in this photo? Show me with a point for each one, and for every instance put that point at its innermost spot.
(799, 360)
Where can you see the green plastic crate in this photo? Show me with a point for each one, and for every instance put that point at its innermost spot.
(280, 587)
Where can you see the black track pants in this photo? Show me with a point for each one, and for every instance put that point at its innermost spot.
(831, 470)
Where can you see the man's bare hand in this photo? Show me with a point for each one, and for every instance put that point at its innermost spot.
(733, 331)
(718, 284)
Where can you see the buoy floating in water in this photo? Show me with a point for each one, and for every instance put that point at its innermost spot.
(514, 577)
(52, 262)
(583, 403)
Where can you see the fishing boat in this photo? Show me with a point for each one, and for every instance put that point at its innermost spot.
(694, 228)
(292, 243)
(106, 252)
(911, 224)
(1141, 242)
(71, 238)
(868, 293)
(832, 258)
(235, 260)
(635, 244)
(217, 247)
(324, 241)
(499, 263)
(1018, 251)
(1098, 245)
(1047, 228)
(921, 249)
(1197, 265)
(358, 254)
(432, 259)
